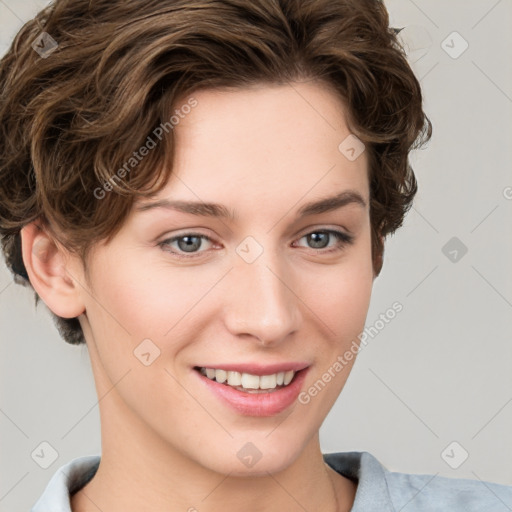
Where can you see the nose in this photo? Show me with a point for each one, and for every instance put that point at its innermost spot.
(261, 302)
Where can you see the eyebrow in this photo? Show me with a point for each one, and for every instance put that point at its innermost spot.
(203, 209)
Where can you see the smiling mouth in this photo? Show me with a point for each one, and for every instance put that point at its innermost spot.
(248, 382)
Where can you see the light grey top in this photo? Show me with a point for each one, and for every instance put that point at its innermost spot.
(378, 489)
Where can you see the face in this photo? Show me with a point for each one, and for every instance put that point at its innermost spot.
(261, 289)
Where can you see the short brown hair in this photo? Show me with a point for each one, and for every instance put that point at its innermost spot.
(69, 119)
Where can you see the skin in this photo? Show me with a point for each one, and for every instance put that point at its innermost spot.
(167, 442)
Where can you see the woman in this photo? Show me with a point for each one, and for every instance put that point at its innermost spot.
(200, 193)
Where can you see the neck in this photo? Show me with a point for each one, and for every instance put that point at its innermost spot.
(136, 475)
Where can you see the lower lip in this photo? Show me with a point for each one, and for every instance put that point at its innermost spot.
(257, 404)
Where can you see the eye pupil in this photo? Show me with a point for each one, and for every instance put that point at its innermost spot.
(189, 246)
(315, 236)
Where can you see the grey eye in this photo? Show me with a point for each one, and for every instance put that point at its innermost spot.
(319, 239)
(189, 243)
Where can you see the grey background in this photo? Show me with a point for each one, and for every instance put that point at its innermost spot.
(439, 372)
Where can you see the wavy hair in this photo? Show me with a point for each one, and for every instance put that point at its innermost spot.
(69, 119)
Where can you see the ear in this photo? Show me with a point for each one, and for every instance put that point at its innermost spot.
(52, 271)
(378, 259)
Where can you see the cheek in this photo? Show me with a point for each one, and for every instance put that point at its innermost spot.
(343, 309)
(140, 300)
(340, 295)
(120, 311)
(134, 303)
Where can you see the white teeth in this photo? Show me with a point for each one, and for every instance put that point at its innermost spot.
(247, 380)
(250, 381)
(221, 375)
(234, 378)
(268, 381)
(288, 376)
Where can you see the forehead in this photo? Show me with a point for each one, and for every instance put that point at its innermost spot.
(267, 144)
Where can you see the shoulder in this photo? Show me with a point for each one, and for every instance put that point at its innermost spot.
(418, 492)
(431, 492)
(68, 479)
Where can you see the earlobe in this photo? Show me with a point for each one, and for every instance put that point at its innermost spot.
(47, 265)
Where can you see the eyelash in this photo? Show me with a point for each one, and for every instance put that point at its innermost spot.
(343, 240)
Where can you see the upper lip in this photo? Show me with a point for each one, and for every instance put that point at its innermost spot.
(257, 369)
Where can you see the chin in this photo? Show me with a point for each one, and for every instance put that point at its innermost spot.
(243, 457)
